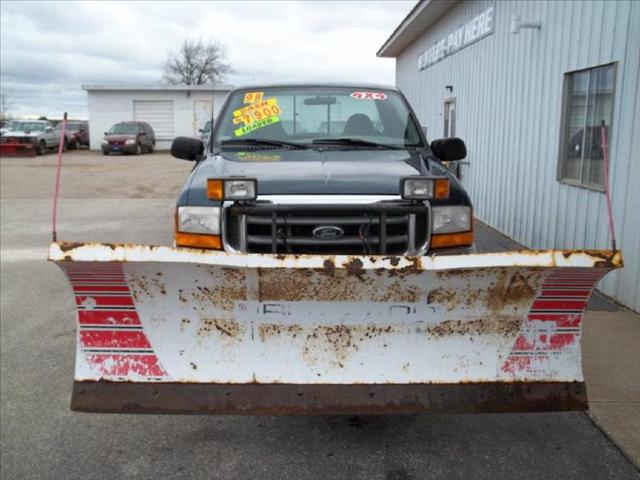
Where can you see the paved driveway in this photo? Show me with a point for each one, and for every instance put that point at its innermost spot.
(131, 199)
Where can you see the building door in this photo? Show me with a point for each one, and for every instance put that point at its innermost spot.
(158, 114)
(201, 114)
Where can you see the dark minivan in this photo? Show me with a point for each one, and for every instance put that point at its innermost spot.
(129, 137)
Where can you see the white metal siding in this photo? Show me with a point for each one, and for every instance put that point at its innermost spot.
(158, 114)
(508, 91)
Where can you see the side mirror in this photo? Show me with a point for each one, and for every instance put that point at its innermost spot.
(187, 148)
(106, 134)
(49, 129)
(449, 149)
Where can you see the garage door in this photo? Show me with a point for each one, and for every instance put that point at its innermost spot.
(158, 114)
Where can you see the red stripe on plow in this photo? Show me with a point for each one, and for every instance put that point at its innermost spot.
(108, 317)
(123, 365)
(101, 301)
(114, 339)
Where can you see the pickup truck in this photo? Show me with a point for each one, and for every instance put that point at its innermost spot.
(322, 169)
(39, 133)
(317, 204)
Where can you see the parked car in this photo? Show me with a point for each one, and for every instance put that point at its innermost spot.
(129, 137)
(36, 132)
(363, 153)
(77, 134)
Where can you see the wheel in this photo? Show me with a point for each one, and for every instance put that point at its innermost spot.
(105, 152)
(138, 149)
(151, 148)
(65, 145)
(42, 147)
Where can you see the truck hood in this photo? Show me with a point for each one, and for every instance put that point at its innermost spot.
(20, 133)
(289, 172)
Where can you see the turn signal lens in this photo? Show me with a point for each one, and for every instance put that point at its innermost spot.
(451, 240)
(196, 240)
(215, 190)
(441, 189)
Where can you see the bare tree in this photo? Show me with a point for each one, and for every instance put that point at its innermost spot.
(196, 63)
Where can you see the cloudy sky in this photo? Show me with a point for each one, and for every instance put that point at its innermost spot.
(49, 49)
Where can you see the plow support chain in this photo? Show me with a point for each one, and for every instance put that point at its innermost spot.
(167, 330)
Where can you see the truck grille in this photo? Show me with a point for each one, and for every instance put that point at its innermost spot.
(384, 228)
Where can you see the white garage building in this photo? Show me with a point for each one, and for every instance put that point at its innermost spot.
(171, 110)
(527, 85)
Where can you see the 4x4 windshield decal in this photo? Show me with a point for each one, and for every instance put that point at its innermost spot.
(369, 95)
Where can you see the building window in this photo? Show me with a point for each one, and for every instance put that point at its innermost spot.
(588, 101)
(450, 117)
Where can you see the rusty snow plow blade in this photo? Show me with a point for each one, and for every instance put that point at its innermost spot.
(15, 149)
(165, 330)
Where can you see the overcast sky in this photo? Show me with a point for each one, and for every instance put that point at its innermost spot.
(49, 49)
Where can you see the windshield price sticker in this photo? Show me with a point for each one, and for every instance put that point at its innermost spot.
(369, 95)
(256, 115)
(253, 97)
(255, 107)
(256, 125)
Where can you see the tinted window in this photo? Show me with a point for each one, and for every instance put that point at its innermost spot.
(588, 103)
(124, 128)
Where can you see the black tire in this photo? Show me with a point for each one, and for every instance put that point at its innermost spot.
(65, 145)
(151, 148)
(138, 149)
(105, 152)
(42, 147)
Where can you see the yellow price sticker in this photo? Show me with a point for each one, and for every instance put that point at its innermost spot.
(256, 125)
(255, 106)
(253, 97)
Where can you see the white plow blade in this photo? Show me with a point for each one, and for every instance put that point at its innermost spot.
(175, 315)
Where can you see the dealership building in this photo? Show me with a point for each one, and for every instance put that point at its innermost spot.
(172, 111)
(527, 85)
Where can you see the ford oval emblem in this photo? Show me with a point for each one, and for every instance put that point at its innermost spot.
(328, 232)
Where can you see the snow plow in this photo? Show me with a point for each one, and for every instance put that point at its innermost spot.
(11, 147)
(177, 330)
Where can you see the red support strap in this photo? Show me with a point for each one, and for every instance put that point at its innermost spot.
(56, 191)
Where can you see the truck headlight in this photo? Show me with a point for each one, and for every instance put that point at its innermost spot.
(451, 219)
(199, 220)
(423, 188)
(232, 189)
(198, 227)
(130, 141)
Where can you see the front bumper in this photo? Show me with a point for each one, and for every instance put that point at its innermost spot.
(129, 149)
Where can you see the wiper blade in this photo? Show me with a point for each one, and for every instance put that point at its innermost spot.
(263, 141)
(356, 142)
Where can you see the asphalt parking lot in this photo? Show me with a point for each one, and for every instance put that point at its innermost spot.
(131, 199)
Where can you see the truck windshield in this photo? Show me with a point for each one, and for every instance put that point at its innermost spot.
(28, 126)
(318, 115)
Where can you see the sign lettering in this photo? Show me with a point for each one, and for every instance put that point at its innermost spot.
(463, 36)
